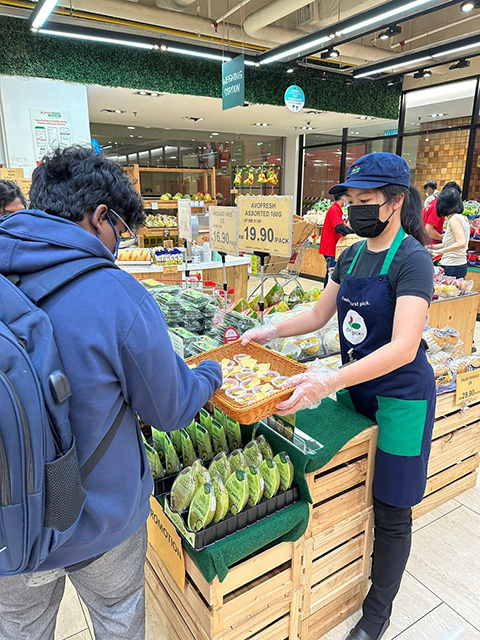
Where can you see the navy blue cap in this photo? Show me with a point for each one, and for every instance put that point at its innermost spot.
(375, 170)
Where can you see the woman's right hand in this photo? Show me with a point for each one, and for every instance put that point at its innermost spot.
(260, 335)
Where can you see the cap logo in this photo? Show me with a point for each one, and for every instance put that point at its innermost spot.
(356, 169)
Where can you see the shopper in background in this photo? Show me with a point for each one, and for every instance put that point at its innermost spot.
(11, 197)
(454, 246)
(333, 229)
(381, 289)
(431, 191)
(115, 348)
(434, 223)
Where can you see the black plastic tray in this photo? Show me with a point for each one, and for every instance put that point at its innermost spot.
(234, 523)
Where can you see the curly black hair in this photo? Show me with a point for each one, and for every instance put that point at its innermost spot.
(74, 181)
(10, 191)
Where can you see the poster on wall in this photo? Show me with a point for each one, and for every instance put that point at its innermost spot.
(51, 130)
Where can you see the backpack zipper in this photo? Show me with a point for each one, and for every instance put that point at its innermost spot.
(5, 488)
(26, 432)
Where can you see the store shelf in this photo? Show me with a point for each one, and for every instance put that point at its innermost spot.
(157, 231)
(172, 204)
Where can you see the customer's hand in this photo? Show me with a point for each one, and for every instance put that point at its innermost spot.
(261, 335)
(311, 388)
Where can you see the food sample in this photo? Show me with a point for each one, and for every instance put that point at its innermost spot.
(202, 508)
(271, 477)
(286, 470)
(183, 490)
(256, 485)
(238, 492)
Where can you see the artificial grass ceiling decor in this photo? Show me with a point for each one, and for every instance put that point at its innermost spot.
(26, 54)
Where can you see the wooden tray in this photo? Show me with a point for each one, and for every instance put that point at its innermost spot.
(263, 408)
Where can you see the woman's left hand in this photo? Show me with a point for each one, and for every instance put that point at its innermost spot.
(311, 388)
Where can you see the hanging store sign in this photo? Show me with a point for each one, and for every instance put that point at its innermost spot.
(265, 225)
(224, 230)
(294, 98)
(233, 83)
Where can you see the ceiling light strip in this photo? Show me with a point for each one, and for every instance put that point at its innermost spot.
(383, 17)
(40, 14)
(83, 36)
(391, 67)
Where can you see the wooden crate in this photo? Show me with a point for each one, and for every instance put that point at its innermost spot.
(260, 598)
(460, 313)
(454, 459)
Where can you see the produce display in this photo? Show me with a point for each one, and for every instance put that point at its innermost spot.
(160, 220)
(449, 286)
(316, 215)
(197, 197)
(447, 357)
(134, 255)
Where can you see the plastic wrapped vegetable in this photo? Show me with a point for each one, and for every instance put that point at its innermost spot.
(172, 462)
(286, 470)
(219, 415)
(219, 437)
(192, 432)
(206, 420)
(154, 461)
(200, 474)
(295, 298)
(188, 450)
(265, 448)
(176, 438)
(238, 493)
(204, 444)
(252, 454)
(236, 460)
(202, 508)
(183, 490)
(221, 498)
(234, 434)
(275, 295)
(256, 485)
(271, 477)
(220, 467)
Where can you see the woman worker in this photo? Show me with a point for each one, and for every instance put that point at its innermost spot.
(381, 289)
(454, 245)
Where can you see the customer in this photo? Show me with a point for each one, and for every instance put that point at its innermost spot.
(333, 229)
(115, 348)
(457, 236)
(431, 191)
(11, 197)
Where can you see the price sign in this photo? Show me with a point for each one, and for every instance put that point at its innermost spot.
(154, 205)
(468, 386)
(224, 229)
(177, 344)
(265, 224)
(185, 220)
(164, 538)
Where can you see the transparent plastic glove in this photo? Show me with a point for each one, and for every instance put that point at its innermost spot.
(311, 387)
(260, 335)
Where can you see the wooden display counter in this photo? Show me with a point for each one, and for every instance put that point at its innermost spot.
(237, 273)
(301, 590)
(460, 313)
(314, 265)
(473, 273)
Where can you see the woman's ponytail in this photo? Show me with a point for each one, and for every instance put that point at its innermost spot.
(411, 215)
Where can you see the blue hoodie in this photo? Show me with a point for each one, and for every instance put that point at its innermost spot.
(114, 344)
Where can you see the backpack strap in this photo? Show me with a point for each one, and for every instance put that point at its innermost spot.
(38, 286)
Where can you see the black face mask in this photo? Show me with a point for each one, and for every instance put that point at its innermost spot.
(365, 219)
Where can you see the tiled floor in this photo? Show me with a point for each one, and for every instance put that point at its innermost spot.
(440, 594)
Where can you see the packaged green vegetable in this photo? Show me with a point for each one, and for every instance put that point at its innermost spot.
(154, 461)
(220, 467)
(286, 470)
(220, 416)
(252, 454)
(157, 439)
(271, 477)
(183, 490)
(275, 295)
(237, 487)
(192, 432)
(204, 444)
(200, 474)
(265, 448)
(219, 438)
(206, 420)
(176, 438)
(188, 450)
(162, 440)
(236, 460)
(256, 485)
(202, 508)
(234, 434)
(221, 498)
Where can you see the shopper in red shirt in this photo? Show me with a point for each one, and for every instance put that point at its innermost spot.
(333, 229)
(432, 223)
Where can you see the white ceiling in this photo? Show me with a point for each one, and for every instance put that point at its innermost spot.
(169, 111)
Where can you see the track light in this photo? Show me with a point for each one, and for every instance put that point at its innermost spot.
(461, 64)
(468, 6)
(41, 13)
(394, 80)
(383, 36)
(290, 70)
(423, 73)
(330, 53)
(394, 30)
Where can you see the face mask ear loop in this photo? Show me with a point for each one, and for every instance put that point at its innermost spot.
(95, 228)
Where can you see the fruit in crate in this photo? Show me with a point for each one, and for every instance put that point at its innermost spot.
(197, 196)
(166, 196)
(207, 197)
(160, 220)
(134, 255)
(178, 196)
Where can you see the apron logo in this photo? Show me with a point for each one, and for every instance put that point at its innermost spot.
(354, 328)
